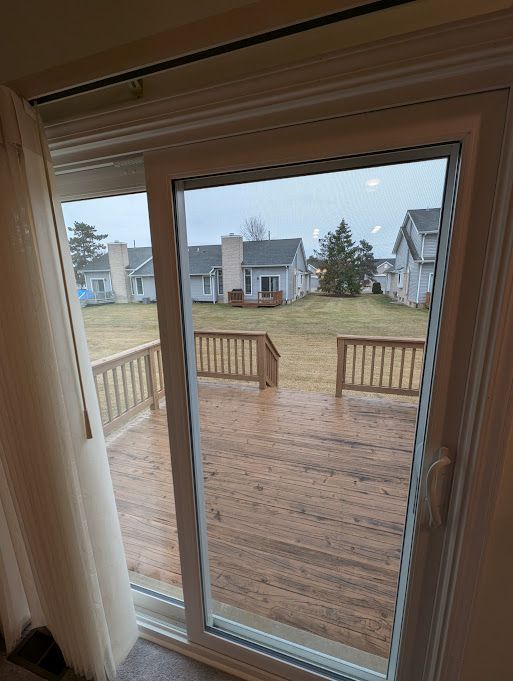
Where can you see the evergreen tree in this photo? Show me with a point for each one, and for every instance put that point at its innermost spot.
(343, 263)
(85, 244)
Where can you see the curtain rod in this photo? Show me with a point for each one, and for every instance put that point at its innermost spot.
(225, 48)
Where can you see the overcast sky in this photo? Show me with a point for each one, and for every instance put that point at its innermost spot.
(372, 200)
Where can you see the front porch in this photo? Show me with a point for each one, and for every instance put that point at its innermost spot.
(305, 496)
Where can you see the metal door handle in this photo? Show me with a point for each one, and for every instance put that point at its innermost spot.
(434, 489)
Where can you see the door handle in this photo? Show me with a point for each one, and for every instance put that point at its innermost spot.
(437, 486)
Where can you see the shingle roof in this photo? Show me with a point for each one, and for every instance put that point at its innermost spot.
(270, 252)
(203, 258)
(136, 256)
(426, 219)
(380, 261)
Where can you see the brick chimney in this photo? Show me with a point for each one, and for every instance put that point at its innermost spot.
(231, 252)
(118, 262)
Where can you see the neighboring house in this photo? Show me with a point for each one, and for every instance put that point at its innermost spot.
(126, 274)
(415, 253)
(383, 267)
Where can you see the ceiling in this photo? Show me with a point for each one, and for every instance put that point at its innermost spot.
(35, 35)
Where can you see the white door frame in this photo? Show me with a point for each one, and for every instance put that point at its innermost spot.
(476, 121)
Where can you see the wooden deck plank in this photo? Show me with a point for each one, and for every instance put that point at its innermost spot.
(305, 497)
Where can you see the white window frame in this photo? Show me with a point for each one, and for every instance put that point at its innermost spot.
(220, 282)
(135, 291)
(99, 279)
(399, 279)
(250, 292)
(394, 129)
(270, 276)
(208, 278)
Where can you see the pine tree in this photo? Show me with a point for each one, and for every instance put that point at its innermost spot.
(343, 263)
(85, 244)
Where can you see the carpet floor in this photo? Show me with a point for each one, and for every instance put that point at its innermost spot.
(146, 662)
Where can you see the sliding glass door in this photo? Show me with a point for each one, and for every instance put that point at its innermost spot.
(313, 431)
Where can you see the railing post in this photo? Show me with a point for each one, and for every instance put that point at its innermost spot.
(262, 383)
(341, 366)
(152, 379)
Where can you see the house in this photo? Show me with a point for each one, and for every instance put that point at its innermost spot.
(126, 274)
(383, 267)
(415, 248)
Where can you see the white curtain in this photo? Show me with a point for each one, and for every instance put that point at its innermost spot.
(61, 555)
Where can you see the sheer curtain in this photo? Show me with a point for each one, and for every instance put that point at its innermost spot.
(61, 555)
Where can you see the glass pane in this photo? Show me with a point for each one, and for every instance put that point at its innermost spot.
(307, 393)
(124, 346)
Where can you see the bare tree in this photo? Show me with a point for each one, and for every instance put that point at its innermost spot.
(254, 229)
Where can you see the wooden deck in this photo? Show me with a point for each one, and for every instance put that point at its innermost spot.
(305, 495)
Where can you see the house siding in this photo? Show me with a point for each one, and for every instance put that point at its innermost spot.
(426, 270)
(430, 246)
(197, 294)
(104, 274)
(148, 288)
(258, 272)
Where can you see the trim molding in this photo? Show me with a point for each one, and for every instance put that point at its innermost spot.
(461, 58)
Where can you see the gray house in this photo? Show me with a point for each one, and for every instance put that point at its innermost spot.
(383, 267)
(126, 274)
(415, 253)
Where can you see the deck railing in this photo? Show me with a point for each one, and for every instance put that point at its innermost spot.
(238, 355)
(379, 365)
(270, 297)
(130, 381)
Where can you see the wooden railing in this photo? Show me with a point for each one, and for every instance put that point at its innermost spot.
(270, 298)
(132, 380)
(236, 297)
(128, 382)
(238, 355)
(379, 365)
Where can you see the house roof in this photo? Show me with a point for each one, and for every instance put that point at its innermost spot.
(136, 257)
(426, 219)
(203, 258)
(381, 261)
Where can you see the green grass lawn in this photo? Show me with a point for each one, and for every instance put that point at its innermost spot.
(304, 332)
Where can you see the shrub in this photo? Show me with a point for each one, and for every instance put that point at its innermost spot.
(376, 287)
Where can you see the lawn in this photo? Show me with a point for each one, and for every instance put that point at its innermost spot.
(304, 332)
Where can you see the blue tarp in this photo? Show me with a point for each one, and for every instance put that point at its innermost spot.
(85, 294)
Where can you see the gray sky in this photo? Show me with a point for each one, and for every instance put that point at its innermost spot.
(372, 200)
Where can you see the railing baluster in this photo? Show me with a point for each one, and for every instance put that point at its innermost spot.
(106, 389)
(116, 391)
(363, 364)
(134, 386)
(412, 368)
(124, 384)
(391, 375)
(141, 381)
(373, 357)
(403, 350)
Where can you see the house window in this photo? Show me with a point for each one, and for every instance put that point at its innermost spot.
(137, 286)
(98, 285)
(270, 283)
(399, 280)
(220, 288)
(248, 283)
(207, 285)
